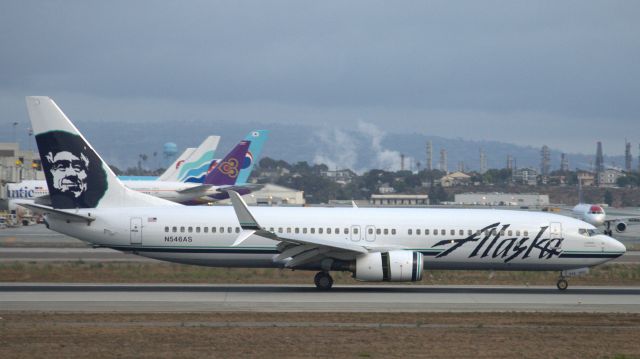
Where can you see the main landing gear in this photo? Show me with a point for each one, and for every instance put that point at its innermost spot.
(323, 281)
(607, 229)
(562, 283)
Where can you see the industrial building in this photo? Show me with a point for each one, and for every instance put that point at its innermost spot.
(399, 200)
(502, 199)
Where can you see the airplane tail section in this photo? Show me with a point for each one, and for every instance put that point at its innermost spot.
(227, 170)
(195, 167)
(76, 175)
(257, 139)
(175, 166)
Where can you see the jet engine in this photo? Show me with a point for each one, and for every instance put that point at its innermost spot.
(393, 266)
(621, 227)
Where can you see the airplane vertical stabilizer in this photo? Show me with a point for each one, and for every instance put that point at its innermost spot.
(172, 170)
(227, 170)
(257, 139)
(76, 175)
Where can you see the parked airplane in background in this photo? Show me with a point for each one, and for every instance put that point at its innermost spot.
(375, 244)
(594, 214)
(217, 178)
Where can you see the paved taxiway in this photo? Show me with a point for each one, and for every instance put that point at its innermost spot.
(305, 298)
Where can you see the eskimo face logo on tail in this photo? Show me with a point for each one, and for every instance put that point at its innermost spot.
(230, 167)
(73, 171)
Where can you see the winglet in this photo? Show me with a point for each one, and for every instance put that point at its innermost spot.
(246, 219)
(353, 204)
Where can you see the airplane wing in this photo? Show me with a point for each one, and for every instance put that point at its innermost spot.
(250, 187)
(200, 189)
(300, 250)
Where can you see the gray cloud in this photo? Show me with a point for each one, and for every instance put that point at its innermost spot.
(560, 73)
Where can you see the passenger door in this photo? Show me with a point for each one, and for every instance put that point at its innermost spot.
(136, 230)
(355, 233)
(370, 233)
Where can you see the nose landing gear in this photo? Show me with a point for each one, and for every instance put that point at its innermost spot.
(323, 281)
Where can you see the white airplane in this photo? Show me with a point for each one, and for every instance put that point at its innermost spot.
(594, 214)
(375, 244)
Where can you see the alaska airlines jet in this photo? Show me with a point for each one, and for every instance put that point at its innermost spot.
(375, 244)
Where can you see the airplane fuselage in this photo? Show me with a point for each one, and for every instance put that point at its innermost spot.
(448, 238)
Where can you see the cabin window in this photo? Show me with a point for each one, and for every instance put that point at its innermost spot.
(313, 230)
(304, 230)
(288, 229)
(181, 229)
(409, 232)
(510, 233)
(469, 232)
(478, 232)
(386, 231)
(393, 231)
(213, 229)
(426, 232)
(417, 232)
(320, 230)
(166, 229)
(337, 231)
(221, 229)
(346, 231)
(190, 229)
(443, 232)
(526, 233)
(453, 232)
(279, 229)
(229, 229)
(206, 229)
(271, 230)
(518, 233)
(197, 229)
(461, 232)
(174, 229)
(370, 230)
(378, 231)
(435, 232)
(296, 230)
(355, 231)
(328, 230)
(237, 229)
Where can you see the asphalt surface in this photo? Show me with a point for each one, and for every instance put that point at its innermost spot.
(305, 298)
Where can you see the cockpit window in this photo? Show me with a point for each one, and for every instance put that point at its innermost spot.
(596, 210)
(588, 232)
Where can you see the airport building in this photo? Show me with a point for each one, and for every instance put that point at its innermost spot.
(17, 165)
(502, 199)
(399, 200)
(273, 195)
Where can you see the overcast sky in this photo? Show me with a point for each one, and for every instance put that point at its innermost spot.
(562, 73)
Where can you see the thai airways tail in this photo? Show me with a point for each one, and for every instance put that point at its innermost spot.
(76, 175)
(226, 171)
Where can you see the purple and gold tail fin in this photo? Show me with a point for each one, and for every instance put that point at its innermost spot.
(226, 171)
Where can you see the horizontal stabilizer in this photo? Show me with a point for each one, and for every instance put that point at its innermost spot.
(58, 213)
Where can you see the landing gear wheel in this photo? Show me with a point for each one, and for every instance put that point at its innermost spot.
(562, 284)
(323, 281)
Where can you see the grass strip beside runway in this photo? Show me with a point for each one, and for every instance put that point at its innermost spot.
(324, 335)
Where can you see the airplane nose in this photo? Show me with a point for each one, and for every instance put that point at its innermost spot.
(613, 245)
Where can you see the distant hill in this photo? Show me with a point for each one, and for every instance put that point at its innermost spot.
(360, 146)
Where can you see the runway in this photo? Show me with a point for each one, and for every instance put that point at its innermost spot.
(305, 298)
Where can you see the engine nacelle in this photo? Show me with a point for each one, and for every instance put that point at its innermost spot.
(621, 227)
(394, 266)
